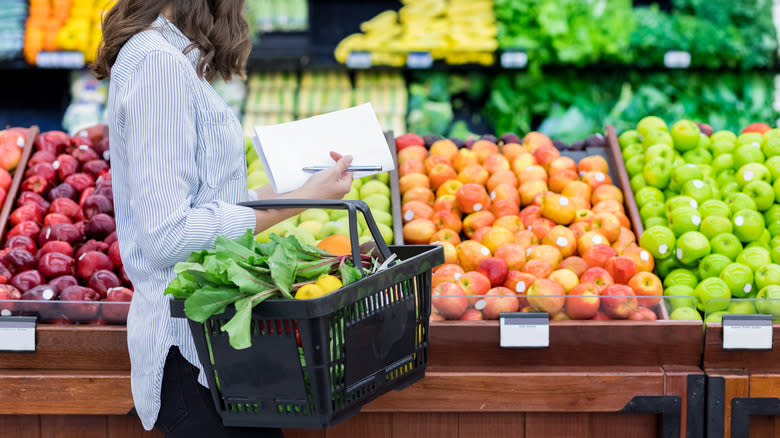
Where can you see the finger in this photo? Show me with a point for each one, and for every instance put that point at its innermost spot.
(342, 165)
(335, 155)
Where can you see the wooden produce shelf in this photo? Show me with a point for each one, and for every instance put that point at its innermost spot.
(743, 388)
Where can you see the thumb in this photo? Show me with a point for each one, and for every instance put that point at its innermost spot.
(342, 165)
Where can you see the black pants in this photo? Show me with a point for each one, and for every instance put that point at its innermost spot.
(187, 409)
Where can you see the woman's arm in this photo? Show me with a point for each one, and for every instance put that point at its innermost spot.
(161, 141)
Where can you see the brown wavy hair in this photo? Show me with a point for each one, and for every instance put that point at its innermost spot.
(216, 27)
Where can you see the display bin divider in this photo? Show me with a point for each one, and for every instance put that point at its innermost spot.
(18, 176)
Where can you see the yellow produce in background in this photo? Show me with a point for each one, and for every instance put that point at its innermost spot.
(456, 31)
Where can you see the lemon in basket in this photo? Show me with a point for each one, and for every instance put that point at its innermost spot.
(309, 291)
(329, 283)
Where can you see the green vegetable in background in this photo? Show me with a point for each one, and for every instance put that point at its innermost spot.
(243, 273)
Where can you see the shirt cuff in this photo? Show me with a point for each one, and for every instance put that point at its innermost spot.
(236, 219)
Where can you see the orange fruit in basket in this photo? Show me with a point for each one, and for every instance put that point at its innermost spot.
(337, 244)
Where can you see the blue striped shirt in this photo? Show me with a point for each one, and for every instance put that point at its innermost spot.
(178, 168)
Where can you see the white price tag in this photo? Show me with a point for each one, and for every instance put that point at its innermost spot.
(677, 59)
(359, 60)
(747, 332)
(525, 330)
(419, 60)
(514, 59)
(17, 333)
(66, 60)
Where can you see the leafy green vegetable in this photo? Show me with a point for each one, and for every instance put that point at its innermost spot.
(245, 274)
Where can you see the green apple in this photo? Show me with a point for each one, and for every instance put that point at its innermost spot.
(686, 135)
(374, 187)
(335, 227)
(683, 220)
(378, 202)
(712, 265)
(678, 296)
(387, 233)
(752, 172)
(382, 217)
(677, 202)
(304, 236)
(256, 166)
(660, 241)
(666, 266)
(711, 226)
(648, 194)
(657, 172)
(774, 132)
(352, 195)
(754, 258)
(685, 314)
(335, 215)
(758, 244)
(383, 177)
(727, 189)
(714, 317)
(629, 137)
(748, 225)
(635, 165)
(750, 138)
(776, 188)
(724, 135)
(662, 151)
(651, 209)
(314, 214)
(712, 295)
(714, 207)
(650, 123)
(691, 247)
(741, 308)
(704, 142)
(773, 164)
(748, 154)
(761, 193)
(314, 227)
(739, 278)
(681, 277)
(678, 161)
(722, 162)
(765, 238)
(656, 137)
(632, 151)
(256, 180)
(726, 244)
(767, 274)
(775, 253)
(726, 176)
(700, 191)
(357, 184)
(768, 301)
(655, 221)
(771, 147)
(740, 201)
(706, 170)
(698, 156)
(722, 147)
(669, 193)
(638, 182)
(683, 174)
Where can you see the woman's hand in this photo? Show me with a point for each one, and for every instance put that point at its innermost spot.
(332, 183)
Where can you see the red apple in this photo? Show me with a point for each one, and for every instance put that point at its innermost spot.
(495, 269)
(647, 287)
(583, 301)
(500, 300)
(621, 268)
(599, 277)
(618, 301)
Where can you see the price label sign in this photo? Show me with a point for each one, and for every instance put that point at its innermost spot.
(747, 332)
(17, 333)
(677, 59)
(514, 59)
(66, 60)
(359, 60)
(419, 60)
(525, 330)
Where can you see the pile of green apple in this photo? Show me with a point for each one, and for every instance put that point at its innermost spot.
(313, 225)
(710, 205)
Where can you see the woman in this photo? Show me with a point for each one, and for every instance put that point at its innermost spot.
(177, 159)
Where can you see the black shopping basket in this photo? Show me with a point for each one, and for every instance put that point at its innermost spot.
(314, 363)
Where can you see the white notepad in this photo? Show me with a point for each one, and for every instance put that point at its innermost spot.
(287, 148)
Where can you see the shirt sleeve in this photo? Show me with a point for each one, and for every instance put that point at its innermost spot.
(161, 138)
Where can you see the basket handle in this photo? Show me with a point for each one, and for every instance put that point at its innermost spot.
(351, 206)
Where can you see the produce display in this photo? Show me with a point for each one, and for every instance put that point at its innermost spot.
(524, 228)
(60, 256)
(456, 31)
(710, 205)
(329, 229)
(277, 15)
(69, 26)
(283, 97)
(87, 104)
(12, 16)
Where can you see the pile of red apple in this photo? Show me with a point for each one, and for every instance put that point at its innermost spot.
(12, 142)
(62, 245)
(523, 229)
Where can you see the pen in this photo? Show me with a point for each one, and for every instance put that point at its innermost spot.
(313, 169)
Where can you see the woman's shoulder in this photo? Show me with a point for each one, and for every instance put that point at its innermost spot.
(139, 48)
